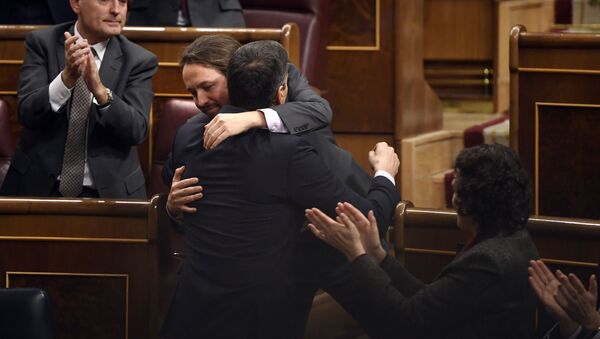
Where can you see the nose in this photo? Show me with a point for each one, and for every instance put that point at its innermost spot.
(200, 99)
(115, 6)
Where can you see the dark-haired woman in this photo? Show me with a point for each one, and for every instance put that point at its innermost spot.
(483, 292)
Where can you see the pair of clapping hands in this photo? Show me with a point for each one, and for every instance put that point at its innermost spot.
(351, 232)
(79, 62)
(566, 297)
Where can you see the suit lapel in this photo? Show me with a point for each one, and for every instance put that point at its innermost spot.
(111, 64)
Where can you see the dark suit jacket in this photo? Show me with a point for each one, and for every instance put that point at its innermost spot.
(483, 293)
(203, 13)
(113, 134)
(237, 279)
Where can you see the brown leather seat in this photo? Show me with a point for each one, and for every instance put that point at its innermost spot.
(7, 146)
(175, 113)
(312, 17)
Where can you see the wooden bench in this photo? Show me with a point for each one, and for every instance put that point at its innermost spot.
(555, 118)
(97, 259)
(426, 240)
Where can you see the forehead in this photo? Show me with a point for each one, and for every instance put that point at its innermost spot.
(201, 73)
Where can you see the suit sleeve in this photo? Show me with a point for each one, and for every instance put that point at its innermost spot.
(127, 118)
(314, 185)
(33, 102)
(453, 300)
(304, 109)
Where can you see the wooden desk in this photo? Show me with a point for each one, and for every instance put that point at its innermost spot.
(97, 259)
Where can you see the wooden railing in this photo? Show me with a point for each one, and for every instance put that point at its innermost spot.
(426, 240)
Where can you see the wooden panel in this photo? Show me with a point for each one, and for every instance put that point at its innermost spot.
(97, 259)
(360, 145)
(538, 16)
(458, 29)
(423, 157)
(567, 161)
(354, 23)
(360, 83)
(555, 118)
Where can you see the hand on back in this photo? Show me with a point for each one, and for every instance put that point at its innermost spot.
(183, 192)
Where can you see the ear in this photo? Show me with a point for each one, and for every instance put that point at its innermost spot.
(74, 5)
(282, 92)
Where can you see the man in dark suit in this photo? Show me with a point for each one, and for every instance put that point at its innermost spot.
(237, 279)
(197, 13)
(84, 99)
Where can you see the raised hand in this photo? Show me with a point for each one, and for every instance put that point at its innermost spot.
(578, 302)
(341, 235)
(383, 157)
(223, 126)
(76, 56)
(91, 76)
(182, 193)
(545, 285)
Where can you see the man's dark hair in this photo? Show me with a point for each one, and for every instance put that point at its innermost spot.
(492, 187)
(213, 51)
(255, 72)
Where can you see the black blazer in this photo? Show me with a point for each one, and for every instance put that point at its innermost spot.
(237, 279)
(203, 13)
(483, 293)
(113, 135)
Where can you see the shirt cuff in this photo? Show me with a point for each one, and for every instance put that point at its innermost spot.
(274, 123)
(58, 93)
(385, 175)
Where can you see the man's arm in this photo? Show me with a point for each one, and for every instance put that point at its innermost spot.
(126, 118)
(304, 111)
(33, 100)
(453, 300)
(314, 185)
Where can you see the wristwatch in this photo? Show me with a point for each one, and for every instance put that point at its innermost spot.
(109, 96)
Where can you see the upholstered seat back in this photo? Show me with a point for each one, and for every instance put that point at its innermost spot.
(312, 17)
(176, 112)
(6, 143)
(25, 313)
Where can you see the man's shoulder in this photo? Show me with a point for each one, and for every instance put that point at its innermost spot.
(191, 127)
(50, 33)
